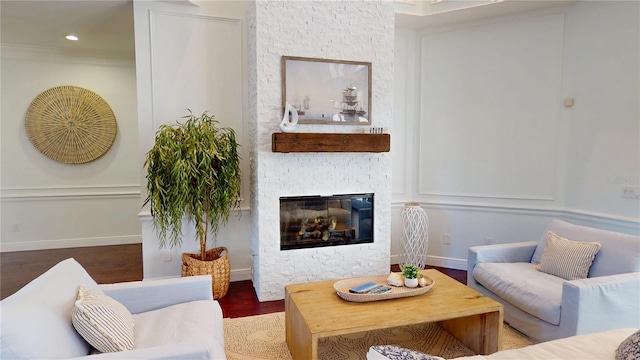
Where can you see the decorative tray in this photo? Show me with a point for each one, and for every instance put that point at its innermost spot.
(342, 289)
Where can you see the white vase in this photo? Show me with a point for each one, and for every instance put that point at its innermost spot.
(415, 236)
(410, 283)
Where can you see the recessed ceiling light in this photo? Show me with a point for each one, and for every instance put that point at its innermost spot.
(71, 37)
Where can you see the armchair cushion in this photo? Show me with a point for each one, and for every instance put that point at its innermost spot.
(194, 321)
(619, 254)
(36, 320)
(567, 259)
(534, 292)
(105, 323)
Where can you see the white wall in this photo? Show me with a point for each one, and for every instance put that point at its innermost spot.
(192, 56)
(603, 75)
(596, 140)
(47, 204)
(491, 152)
(356, 31)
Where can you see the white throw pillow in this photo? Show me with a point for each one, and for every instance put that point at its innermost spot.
(102, 321)
(566, 258)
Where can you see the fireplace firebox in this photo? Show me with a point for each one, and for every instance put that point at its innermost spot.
(315, 221)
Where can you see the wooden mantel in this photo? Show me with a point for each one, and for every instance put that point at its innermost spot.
(329, 142)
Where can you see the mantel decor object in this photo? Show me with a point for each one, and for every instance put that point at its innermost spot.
(325, 91)
(290, 119)
(71, 125)
(415, 236)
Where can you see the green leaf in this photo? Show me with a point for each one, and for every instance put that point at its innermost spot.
(193, 171)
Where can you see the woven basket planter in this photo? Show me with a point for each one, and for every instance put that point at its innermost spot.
(215, 264)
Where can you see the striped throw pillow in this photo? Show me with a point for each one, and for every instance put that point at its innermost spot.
(566, 258)
(102, 321)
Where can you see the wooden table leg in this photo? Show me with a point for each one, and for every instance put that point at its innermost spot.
(300, 342)
(480, 333)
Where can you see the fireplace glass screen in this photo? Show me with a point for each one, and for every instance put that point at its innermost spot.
(314, 221)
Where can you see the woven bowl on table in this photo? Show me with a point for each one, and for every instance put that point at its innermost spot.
(342, 289)
(71, 125)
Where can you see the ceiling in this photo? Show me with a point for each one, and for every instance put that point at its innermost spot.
(431, 13)
(105, 27)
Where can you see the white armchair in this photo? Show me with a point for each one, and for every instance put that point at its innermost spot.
(174, 318)
(547, 307)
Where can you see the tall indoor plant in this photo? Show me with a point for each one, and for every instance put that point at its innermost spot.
(193, 172)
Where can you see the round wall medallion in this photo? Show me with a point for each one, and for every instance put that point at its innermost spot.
(71, 125)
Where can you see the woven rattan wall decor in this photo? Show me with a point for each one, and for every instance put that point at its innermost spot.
(71, 124)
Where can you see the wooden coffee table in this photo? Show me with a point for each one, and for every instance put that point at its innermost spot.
(314, 311)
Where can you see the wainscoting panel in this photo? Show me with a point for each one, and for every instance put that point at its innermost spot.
(63, 217)
(471, 225)
(404, 112)
(490, 109)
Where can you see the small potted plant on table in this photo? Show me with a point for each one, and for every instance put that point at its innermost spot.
(410, 273)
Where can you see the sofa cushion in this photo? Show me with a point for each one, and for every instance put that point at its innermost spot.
(619, 254)
(36, 320)
(105, 323)
(567, 259)
(185, 322)
(520, 284)
(629, 349)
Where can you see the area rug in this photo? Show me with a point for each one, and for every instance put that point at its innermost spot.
(263, 337)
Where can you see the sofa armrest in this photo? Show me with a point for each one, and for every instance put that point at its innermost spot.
(600, 303)
(178, 351)
(147, 295)
(514, 252)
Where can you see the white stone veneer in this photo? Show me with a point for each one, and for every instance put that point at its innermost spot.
(343, 30)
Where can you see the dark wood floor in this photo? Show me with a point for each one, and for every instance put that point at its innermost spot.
(118, 263)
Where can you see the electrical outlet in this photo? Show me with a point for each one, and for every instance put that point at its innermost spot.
(488, 240)
(166, 255)
(630, 192)
(15, 227)
(446, 239)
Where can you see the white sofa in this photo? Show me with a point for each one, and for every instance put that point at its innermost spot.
(174, 318)
(596, 346)
(546, 307)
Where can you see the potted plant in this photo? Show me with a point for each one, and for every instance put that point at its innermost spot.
(410, 273)
(193, 172)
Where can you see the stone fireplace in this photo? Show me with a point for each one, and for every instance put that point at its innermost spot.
(317, 29)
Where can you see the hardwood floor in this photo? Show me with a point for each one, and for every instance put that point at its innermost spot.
(241, 299)
(118, 263)
(105, 264)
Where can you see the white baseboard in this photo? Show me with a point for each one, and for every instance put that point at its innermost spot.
(236, 275)
(240, 275)
(70, 243)
(449, 263)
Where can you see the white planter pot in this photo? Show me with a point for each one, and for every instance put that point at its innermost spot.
(411, 283)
